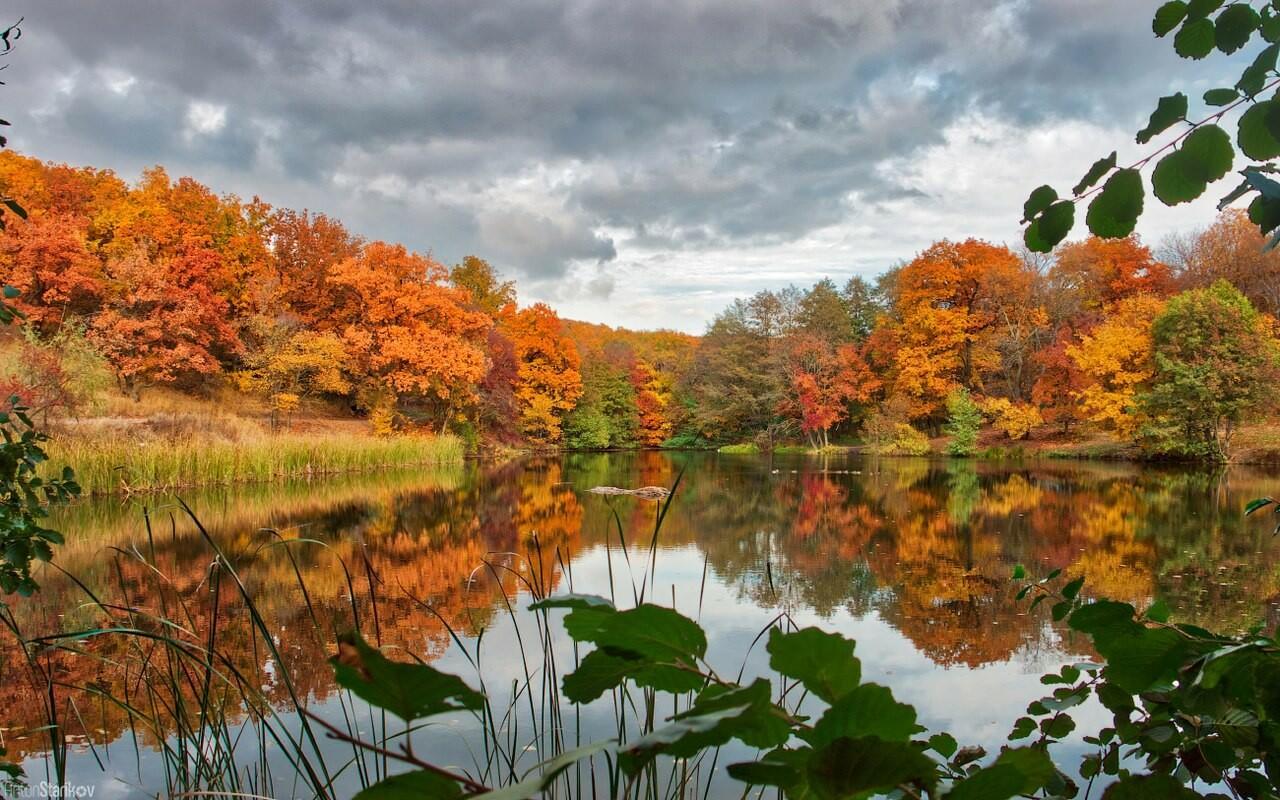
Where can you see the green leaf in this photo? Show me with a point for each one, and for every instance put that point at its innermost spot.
(1158, 611)
(1195, 40)
(1256, 139)
(649, 631)
(1270, 25)
(1221, 97)
(1235, 26)
(1114, 213)
(764, 726)
(1169, 110)
(11, 292)
(1051, 227)
(1207, 153)
(1024, 727)
(1254, 78)
(682, 737)
(574, 601)
(823, 662)
(1148, 787)
(603, 670)
(1254, 505)
(1168, 17)
(868, 710)
(1038, 201)
(420, 785)
(765, 773)
(1022, 771)
(1199, 9)
(1073, 588)
(1265, 213)
(848, 767)
(1100, 167)
(1058, 726)
(944, 744)
(1019, 572)
(410, 691)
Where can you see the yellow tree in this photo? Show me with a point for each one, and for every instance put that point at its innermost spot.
(1116, 362)
(548, 383)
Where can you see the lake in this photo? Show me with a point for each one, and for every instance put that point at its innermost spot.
(911, 557)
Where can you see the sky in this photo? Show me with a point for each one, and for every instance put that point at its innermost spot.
(637, 163)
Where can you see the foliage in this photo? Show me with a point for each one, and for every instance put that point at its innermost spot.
(1115, 359)
(25, 495)
(1014, 420)
(1188, 707)
(749, 448)
(548, 383)
(1215, 363)
(964, 418)
(1197, 152)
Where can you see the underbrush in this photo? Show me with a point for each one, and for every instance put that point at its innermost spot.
(144, 460)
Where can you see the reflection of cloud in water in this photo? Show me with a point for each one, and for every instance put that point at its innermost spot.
(910, 557)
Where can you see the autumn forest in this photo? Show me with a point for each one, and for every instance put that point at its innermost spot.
(165, 283)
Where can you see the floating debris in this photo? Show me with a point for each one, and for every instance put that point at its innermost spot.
(644, 492)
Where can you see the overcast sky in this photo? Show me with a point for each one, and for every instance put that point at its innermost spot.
(636, 162)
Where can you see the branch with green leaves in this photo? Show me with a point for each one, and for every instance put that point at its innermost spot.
(1199, 152)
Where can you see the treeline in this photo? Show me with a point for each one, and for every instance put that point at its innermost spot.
(1173, 353)
(167, 283)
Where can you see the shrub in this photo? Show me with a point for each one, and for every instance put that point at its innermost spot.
(748, 448)
(1014, 420)
(964, 419)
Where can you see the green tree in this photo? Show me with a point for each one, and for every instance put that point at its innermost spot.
(964, 418)
(606, 414)
(824, 313)
(863, 304)
(1215, 363)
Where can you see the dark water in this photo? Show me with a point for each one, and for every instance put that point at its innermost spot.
(910, 557)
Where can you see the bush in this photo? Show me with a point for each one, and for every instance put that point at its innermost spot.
(964, 419)
(748, 448)
(1014, 420)
(907, 441)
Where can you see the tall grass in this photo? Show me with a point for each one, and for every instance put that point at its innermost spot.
(200, 678)
(107, 465)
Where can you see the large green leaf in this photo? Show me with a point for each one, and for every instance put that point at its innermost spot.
(1169, 110)
(1195, 39)
(1199, 9)
(1234, 27)
(649, 631)
(603, 670)
(868, 710)
(763, 727)
(1015, 772)
(1039, 199)
(1183, 175)
(1051, 227)
(682, 737)
(823, 662)
(1221, 97)
(420, 785)
(1148, 787)
(849, 767)
(410, 691)
(1168, 17)
(1114, 212)
(1256, 137)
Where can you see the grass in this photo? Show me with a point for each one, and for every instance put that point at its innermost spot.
(104, 465)
(196, 672)
(745, 449)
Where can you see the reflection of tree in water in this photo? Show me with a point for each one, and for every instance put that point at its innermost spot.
(401, 549)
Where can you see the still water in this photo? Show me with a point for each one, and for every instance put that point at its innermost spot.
(911, 557)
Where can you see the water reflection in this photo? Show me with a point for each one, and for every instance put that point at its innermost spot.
(920, 550)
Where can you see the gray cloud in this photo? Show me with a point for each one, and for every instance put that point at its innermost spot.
(554, 134)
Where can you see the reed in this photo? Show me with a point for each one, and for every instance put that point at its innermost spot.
(109, 465)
